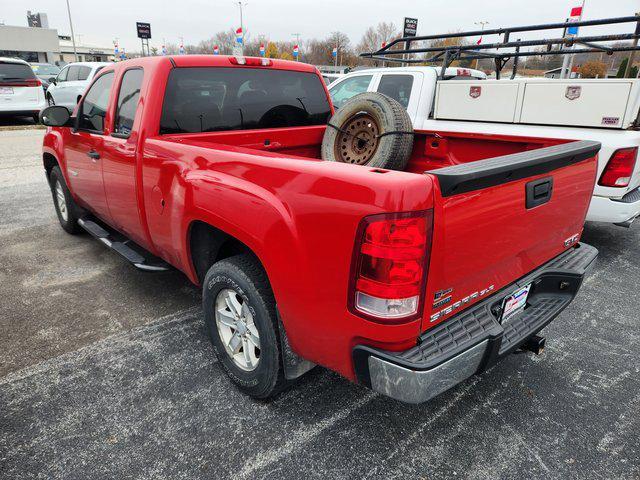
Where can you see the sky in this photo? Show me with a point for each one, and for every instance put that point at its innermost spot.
(99, 23)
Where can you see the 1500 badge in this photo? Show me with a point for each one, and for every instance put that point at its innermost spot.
(459, 303)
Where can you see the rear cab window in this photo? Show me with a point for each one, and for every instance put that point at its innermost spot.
(208, 99)
(344, 90)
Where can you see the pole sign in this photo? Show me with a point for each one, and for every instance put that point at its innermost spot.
(334, 52)
(239, 36)
(410, 27)
(216, 50)
(262, 50)
(576, 15)
(296, 51)
(144, 30)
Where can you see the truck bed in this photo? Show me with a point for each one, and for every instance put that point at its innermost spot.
(486, 235)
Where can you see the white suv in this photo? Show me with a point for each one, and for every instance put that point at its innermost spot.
(71, 82)
(21, 91)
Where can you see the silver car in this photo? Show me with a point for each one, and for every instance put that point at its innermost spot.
(67, 88)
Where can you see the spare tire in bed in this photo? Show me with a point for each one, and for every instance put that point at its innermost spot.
(369, 129)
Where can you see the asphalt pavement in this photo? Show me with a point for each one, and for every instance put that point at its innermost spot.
(107, 372)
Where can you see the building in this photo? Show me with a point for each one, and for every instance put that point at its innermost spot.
(86, 53)
(39, 43)
(31, 44)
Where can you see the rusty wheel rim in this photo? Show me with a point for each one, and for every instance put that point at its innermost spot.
(358, 140)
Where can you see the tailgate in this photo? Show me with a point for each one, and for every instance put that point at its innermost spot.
(497, 219)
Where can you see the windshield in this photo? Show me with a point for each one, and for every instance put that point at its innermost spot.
(44, 70)
(218, 98)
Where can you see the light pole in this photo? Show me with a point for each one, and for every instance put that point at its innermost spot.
(482, 24)
(240, 5)
(73, 38)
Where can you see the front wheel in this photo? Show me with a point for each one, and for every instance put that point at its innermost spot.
(50, 101)
(63, 202)
(240, 314)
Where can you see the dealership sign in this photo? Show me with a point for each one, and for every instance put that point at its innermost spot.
(410, 27)
(144, 30)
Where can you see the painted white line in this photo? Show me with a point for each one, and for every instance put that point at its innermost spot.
(298, 439)
(112, 341)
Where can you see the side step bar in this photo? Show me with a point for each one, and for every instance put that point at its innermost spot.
(147, 263)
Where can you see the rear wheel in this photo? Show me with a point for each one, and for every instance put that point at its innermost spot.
(66, 208)
(240, 314)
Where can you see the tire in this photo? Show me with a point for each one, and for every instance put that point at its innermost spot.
(368, 115)
(244, 277)
(67, 210)
(36, 118)
(50, 101)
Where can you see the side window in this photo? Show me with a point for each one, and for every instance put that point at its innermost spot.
(73, 73)
(346, 89)
(397, 87)
(83, 72)
(94, 107)
(62, 76)
(128, 101)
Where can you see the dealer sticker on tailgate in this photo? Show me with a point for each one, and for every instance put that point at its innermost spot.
(6, 91)
(515, 303)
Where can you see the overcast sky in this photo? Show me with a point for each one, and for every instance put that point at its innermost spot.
(99, 22)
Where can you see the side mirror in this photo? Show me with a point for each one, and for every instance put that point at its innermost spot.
(53, 80)
(55, 116)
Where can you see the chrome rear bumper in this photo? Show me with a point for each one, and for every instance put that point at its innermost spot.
(473, 340)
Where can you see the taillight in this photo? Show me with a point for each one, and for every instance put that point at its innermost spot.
(27, 82)
(390, 265)
(251, 61)
(619, 169)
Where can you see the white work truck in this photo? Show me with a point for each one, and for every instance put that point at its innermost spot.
(604, 110)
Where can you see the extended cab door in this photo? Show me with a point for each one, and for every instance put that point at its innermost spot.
(84, 147)
(119, 157)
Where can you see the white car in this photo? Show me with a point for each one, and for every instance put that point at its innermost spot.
(71, 82)
(21, 91)
(605, 110)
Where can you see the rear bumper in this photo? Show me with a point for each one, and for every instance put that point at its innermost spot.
(603, 209)
(472, 341)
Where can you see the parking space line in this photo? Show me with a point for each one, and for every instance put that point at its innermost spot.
(55, 362)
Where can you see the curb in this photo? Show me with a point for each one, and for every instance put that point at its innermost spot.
(22, 127)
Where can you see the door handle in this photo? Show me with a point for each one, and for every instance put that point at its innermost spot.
(93, 154)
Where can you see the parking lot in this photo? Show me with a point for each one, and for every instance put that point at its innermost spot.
(107, 372)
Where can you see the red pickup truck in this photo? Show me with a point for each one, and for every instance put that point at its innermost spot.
(406, 281)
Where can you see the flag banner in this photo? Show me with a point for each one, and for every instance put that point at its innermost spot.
(295, 51)
(262, 50)
(576, 15)
(334, 52)
(216, 50)
(239, 36)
